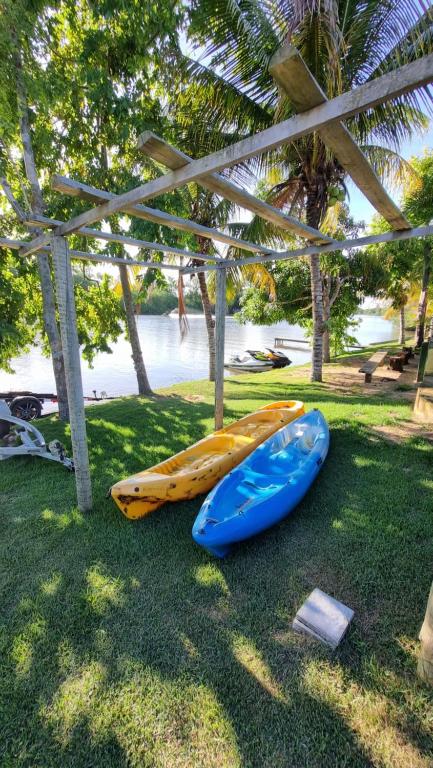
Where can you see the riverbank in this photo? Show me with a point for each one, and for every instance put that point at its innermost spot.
(168, 359)
(124, 644)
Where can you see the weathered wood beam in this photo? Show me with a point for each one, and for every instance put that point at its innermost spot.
(74, 383)
(85, 256)
(341, 245)
(388, 86)
(338, 245)
(37, 244)
(79, 189)
(13, 202)
(173, 158)
(15, 245)
(44, 221)
(220, 317)
(289, 70)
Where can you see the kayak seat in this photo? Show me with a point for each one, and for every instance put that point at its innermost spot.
(204, 455)
(276, 464)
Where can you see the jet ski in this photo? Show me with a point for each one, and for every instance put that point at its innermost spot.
(278, 359)
(248, 364)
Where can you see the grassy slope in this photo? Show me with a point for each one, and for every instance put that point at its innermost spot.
(126, 644)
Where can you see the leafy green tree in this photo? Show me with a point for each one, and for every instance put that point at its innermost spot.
(292, 302)
(344, 44)
(418, 205)
(19, 316)
(396, 270)
(406, 264)
(97, 68)
(23, 24)
(111, 55)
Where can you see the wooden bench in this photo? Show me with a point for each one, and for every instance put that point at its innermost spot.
(374, 362)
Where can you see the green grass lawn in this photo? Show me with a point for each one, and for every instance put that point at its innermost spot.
(125, 644)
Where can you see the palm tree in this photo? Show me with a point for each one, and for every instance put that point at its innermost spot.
(345, 44)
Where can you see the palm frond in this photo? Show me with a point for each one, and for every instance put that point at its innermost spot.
(390, 166)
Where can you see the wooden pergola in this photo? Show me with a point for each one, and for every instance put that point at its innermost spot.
(314, 113)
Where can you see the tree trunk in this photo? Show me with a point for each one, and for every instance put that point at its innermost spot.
(422, 305)
(48, 300)
(326, 317)
(144, 387)
(425, 658)
(402, 334)
(313, 220)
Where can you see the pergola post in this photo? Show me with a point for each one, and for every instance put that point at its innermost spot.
(74, 384)
(425, 657)
(220, 317)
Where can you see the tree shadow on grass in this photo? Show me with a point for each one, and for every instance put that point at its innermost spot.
(128, 645)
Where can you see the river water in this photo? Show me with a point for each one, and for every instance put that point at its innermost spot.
(169, 361)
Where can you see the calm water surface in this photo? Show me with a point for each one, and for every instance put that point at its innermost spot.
(167, 359)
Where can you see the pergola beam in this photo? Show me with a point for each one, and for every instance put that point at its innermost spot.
(85, 191)
(388, 86)
(289, 70)
(44, 221)
(85, 256)
(15, 245)
(337, 245)
(173, 158)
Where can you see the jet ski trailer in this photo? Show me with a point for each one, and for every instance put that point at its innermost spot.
(21, 438)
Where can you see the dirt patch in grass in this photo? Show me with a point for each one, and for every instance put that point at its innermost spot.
(398, 433)
(346, 378)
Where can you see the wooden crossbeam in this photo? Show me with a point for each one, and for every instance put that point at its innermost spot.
(173, 158)
(13, 202)
(44, 221)
(342, 245)
(79, 189)
(289, 70)
(85, 256)
(15, 245)
(388, 86)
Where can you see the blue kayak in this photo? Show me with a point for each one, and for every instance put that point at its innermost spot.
(266, 487)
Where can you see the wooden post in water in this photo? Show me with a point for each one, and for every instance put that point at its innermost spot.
(74, 384)
(220, 316)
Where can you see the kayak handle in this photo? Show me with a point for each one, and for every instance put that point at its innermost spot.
(206, 521)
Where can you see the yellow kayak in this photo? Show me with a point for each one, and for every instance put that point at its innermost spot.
(197, 469)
